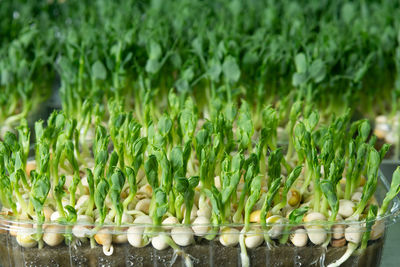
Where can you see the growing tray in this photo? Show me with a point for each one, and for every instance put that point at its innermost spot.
(202, 252)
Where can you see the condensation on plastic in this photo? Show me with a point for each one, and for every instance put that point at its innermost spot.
(209, 251)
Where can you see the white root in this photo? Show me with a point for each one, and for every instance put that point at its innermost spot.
(244, 258)
(103, 237)
(351, 247)
(108, 250)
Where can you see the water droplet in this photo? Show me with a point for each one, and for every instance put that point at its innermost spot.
(134, 260)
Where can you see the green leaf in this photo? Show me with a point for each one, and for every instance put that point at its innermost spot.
(99, 71)
(250, 57)
(188, 119)
(272, 191)
(385, 148)
(328, 189)
(230, 111)
(393, 191)
(295, 111)
(112, 164)
(69, 152)
(117, 180)
(187, 149)
(245, 122)
(296, 216)
(369, 222)
(152, 66)
(274, 164)
(214, 70)
(40, 189)
(194, 181)
(372, 174)
(72, 214)
(100, 195)
(10, 139)
(90, 180)
(164, 125)
(237, 162)
(348, 12)
(155, 50)
(292, 178)
(299, 79)
(317, 70)
(140, 146)
(151, 170)
(233, 183)
(161, 204)
(312, 120)
(181, 184)
(131, 178)
(231, 69)
(173, 102)
(364, 130)
(202, 139)
(197, 45)
(176, 158)
(255, 192)
(215, 198)
(301, 63)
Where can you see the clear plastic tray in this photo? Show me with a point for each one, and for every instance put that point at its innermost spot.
(201, 251)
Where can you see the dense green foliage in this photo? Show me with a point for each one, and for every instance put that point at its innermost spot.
(335, 54)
